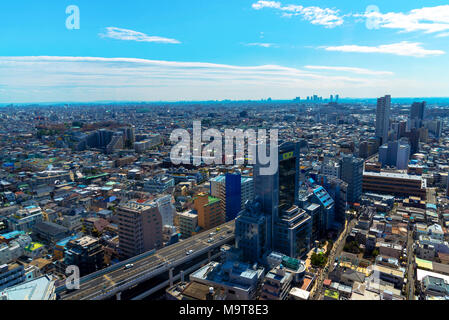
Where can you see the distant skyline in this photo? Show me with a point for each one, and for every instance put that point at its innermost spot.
(177, 50)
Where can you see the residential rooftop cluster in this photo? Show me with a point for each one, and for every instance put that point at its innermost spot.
(358, 208)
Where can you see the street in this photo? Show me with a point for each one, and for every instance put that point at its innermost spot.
(316, 293)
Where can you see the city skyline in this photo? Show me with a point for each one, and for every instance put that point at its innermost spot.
(180, 51)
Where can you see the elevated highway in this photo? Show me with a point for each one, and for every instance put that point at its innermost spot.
(112, 281)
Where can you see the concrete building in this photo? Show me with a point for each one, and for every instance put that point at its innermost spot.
(14, 249)
(11, 274)
(166, 209)
(209, 210)
(158, 184)
(394, 183)
(140, 228)
(188, 223)
(331, 169)
(383, 118)
(233, 190)
(238, 280)
(352, 174)
(251, 232)
(25, 219)
(293, 232)
(42, 288)
(277, 284)
(86, 253)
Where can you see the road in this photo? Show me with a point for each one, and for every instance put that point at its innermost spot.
(109, 280)
(410, 287)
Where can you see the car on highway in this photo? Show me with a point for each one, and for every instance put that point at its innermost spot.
(222, 237)
(212, 234)
(189, 252)
(129, 266)
(218, 229)
(229, 231)
(210, 240)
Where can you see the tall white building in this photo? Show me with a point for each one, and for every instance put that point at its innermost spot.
(383, 118)
(166, 209)
(403, 156)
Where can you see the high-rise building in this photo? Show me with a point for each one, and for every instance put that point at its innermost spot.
(447, 186)
(417, 114)
(322, 197)
(251, 230)
(292, 232)
(413, 138)
(395, 154)
(337, 189)
(166, 209)
(233, 190)
(435, 127)
(383, 118)
(290, 226)
(403, 156)
(140, 228)
(352, 174)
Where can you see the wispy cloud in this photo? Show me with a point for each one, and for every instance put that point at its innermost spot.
(426, 19)
(53, 78)
(131, 35)
(351, 70)
(327, 17)
(261, 44)
(404, 48)
(442, 35)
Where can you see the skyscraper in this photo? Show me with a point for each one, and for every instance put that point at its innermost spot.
(383, 118)
(417, 113)
(289, 226)
(352, 174)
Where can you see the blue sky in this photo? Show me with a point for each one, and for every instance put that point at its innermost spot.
(146, 50)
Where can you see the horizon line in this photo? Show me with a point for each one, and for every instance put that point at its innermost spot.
(206, 101)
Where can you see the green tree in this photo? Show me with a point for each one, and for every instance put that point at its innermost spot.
(318, 259)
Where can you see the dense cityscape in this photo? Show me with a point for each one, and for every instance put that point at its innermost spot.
(224, 159)
(358, 208)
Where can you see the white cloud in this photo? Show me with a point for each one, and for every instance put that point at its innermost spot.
(326, 17)
(131, 35)
(427, 19)
(260, 44)
(404, 48)
(50, 78)
(442, 35)
(351, 70)
(266, 4)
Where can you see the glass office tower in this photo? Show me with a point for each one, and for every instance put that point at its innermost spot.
(289, 225)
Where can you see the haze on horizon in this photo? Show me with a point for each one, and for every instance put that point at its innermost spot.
(236, 50)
